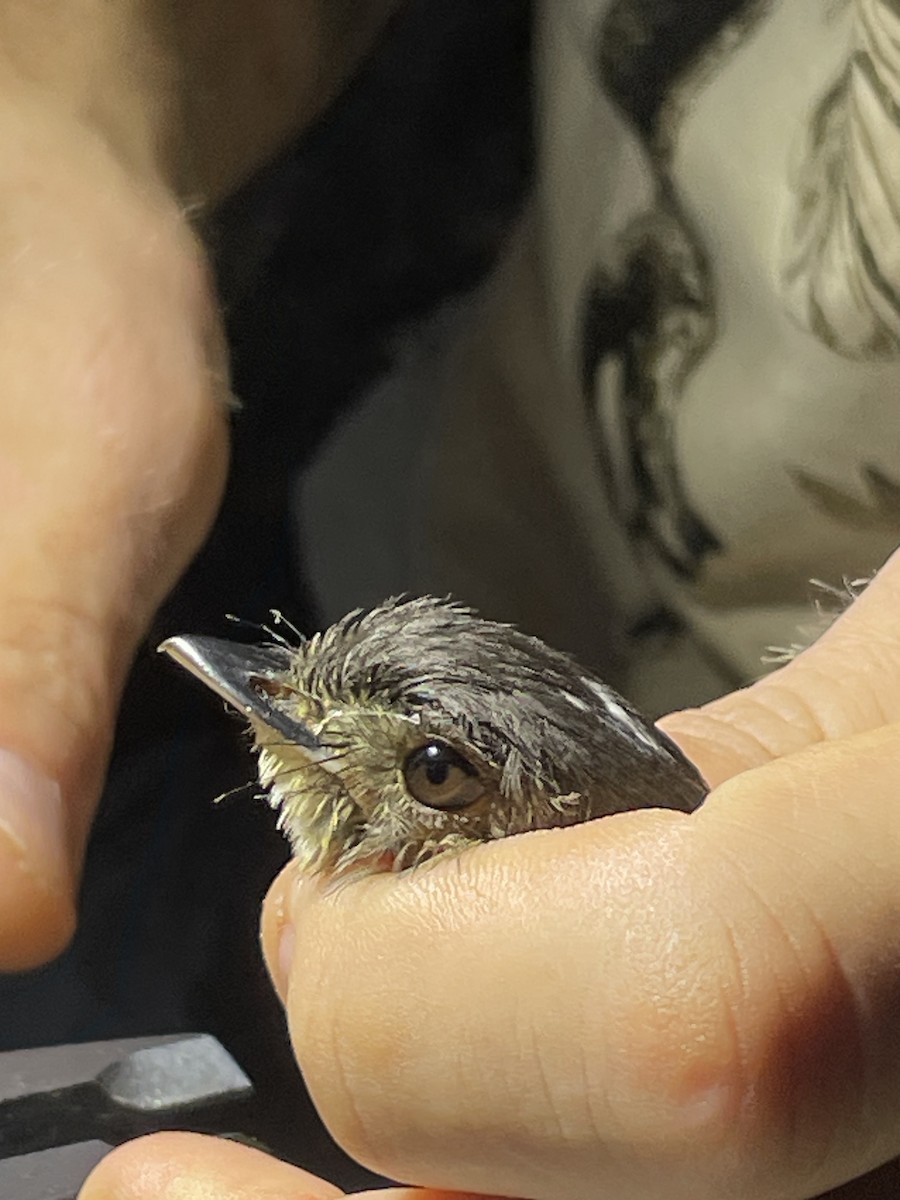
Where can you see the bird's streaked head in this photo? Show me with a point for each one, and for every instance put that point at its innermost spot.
(417, 727)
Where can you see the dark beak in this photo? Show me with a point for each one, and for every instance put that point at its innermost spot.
(240, 675)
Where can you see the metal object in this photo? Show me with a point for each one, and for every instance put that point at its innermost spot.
(50, 1174)
(61, 1107)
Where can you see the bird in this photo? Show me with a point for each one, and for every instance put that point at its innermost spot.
(417, 728)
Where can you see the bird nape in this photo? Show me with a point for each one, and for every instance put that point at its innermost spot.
(418, 728)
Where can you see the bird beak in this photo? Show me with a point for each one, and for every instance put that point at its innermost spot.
(239, 674)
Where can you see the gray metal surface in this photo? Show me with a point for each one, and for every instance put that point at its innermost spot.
(175, 1075)
(62, 1106)
(50, 1174)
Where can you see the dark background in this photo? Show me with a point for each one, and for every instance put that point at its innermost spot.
(396, 200)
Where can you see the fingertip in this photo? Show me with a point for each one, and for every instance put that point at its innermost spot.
(37, 909)
(122, 1173)
(190, 1166)
(37, 922)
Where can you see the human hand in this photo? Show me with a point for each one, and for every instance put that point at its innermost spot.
(449, 1035)
(651, 1005)
(112, 459)
(113, 374)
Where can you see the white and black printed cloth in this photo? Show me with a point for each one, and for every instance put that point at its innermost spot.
(681, 400)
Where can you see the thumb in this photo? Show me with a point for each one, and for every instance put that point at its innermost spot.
(848, 682)
(112, 460)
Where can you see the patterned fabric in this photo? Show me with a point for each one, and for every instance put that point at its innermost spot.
(678, 403)
(722, 214)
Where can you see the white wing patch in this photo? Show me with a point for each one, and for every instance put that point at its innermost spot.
(622, 718)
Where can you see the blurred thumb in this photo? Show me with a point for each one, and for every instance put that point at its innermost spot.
(113, 451)
(70, 623)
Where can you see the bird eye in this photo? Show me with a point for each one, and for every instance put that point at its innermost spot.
(439, 776)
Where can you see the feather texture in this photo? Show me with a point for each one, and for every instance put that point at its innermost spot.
(534, 738)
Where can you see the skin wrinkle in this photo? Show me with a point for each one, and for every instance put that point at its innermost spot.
(785, 931)
(787, 938)
(651, 1055)
(857, 985)
(836, 716)
(820, 719)
(853, 642)
(846, 985)
(783, 708)
(882, 988)
(324, 1035)
(373, 1149)
(731, 1006)
(568, 1102)
(356, 1138)
(882, 708)
(529, 1039)
(748, 827)
(590, 1099)
(599, 1109)
(555, 1127)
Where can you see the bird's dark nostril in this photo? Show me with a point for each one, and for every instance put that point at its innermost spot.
(268, 687)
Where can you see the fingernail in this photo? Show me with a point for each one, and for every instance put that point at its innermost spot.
(32, 822)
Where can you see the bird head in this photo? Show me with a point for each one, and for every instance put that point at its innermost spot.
(417, 728)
